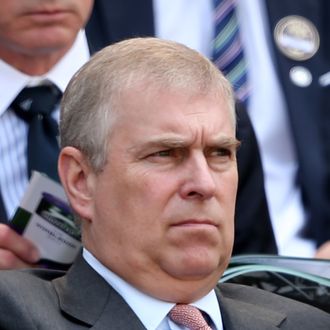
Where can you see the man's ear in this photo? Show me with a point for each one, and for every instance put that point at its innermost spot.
(78, 180)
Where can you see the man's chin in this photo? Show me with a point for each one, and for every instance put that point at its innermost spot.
(191, 284)
(196, 268)
(47, 40)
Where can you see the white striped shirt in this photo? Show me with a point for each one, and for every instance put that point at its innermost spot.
(13, 131)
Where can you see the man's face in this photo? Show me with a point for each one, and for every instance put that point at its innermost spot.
(164, 203)
(33, 27)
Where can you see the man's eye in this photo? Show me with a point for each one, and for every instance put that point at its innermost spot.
(221, 152)
(167, 155)
(162, 153)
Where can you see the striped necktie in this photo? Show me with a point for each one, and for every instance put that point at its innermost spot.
(228, 53)
(35, 105)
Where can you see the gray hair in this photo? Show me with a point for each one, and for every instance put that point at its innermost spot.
(93, 95)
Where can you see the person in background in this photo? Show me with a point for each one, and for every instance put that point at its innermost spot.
(41, 46)
(148, 162)
(286, 50)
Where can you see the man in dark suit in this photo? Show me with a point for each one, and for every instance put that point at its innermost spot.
(148, 162)
(17, 252)
(302, 75)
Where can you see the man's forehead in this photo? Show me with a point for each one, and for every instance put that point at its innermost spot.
(191, 102)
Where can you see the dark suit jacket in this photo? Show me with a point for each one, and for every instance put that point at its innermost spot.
(308, 107)
(43, 299)
(309, 112)
(113, 21)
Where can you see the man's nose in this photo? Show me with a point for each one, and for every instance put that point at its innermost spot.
(199, 181)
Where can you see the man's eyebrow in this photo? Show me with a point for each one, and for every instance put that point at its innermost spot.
(170, 142)
(178, 142)
(226, 142)
(162, 142)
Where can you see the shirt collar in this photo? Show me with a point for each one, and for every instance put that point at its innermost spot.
(149, 310)
(64, 70)
(13, 81)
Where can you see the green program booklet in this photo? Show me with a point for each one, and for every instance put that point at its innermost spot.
(45, 217)
(303, 279)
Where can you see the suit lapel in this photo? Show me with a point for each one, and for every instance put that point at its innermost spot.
(97, 304)
(237, 314)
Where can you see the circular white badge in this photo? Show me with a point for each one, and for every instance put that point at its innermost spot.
(297, 37)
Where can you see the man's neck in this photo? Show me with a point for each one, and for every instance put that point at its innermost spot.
(33, 64)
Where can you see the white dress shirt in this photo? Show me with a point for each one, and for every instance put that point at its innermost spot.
(186, 21)
(153, 312)
(13, 131)
(190, 22)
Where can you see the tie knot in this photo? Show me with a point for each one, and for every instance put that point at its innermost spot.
(38, 100)
(189, 316)
(34, 105)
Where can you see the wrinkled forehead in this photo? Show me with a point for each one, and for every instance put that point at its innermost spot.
(173, 110)
(148, 99)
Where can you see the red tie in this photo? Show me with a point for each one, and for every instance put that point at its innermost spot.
(189, 316)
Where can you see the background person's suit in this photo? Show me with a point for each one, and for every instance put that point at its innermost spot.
(43, 299)
(309, 112)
